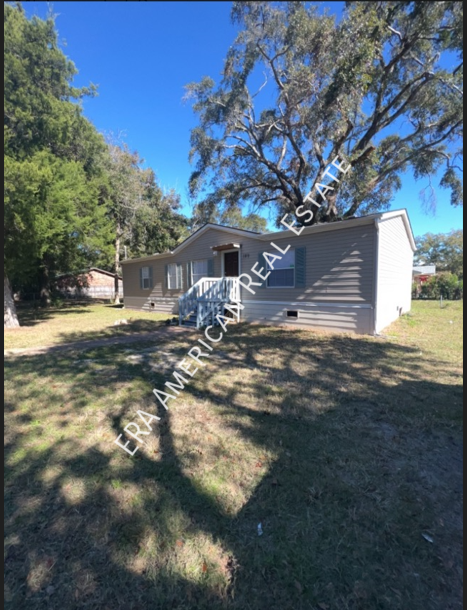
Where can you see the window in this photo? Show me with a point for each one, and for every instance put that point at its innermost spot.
(146, 278)
(199, 269)
(174, 276)
(282, 271)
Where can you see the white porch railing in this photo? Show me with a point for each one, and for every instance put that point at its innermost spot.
(188, 303)
(207, 298)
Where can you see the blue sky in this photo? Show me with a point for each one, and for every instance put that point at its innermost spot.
(141, 54)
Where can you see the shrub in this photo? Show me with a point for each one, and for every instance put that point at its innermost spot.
(444, 285)
(429, 289)
(448, 284)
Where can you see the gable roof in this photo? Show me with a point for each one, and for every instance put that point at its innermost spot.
(347, 224)
(88, 270)
(109, 273)
(194, 237)
(206, 227)
(317, 228)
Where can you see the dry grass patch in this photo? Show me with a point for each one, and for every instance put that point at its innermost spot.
(347, 449)
(76, 321)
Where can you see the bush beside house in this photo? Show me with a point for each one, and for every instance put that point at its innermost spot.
(444, 284)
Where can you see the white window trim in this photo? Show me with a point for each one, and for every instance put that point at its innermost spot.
(239, 250)
(178, 279)
(198, 260)
(282, 269)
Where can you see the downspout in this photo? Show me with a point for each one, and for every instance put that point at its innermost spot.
(376, 277)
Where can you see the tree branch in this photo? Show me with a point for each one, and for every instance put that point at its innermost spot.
(271, 61)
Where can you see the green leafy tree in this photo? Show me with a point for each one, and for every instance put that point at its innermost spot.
(144, 219)
(125, 196)
(444, 284)
(229, 217)
(445, 250)
(159, 226)
(372, 88)
(55, 217)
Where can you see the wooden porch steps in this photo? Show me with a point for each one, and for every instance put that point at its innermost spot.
(199, 306)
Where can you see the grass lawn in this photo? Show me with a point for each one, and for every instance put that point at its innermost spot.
(76, 321)
(347, 449)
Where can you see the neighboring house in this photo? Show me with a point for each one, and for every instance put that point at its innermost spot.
(422, 273)
(353, 275)
(92, 284)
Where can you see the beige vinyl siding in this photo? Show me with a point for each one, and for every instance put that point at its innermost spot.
(339, 266)
(197, 250)
(339, 273)
(158, 304)
(395, 263)
(340, 317)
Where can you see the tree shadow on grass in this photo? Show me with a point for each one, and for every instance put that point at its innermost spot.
(129, 328)
(359, 462)
(30, 315)
(33, 313)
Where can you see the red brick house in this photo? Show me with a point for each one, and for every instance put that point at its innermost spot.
(93, 284)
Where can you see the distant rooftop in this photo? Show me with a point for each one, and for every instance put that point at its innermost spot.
(424, 269)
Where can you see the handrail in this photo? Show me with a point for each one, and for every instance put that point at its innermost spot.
(211, 304)
(187, 303)
(207, 298)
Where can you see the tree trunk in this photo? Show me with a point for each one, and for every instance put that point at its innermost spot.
(326, 213)
(117, 268)
(45, 287)
(10, 317)
(116, 290)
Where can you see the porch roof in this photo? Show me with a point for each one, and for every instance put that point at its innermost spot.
(223, 247)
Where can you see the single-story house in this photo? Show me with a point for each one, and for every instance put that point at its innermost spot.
(353, 275)
(422, 273)
(92, 284)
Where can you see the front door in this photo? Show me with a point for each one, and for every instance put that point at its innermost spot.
(231, 264)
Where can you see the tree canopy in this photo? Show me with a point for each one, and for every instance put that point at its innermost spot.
(72, 200)
(229, 217)
(445, 250)
(143, 218)
(381, 88)
(55, 216)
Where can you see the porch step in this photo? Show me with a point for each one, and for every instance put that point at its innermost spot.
(191, 320)
(207, 293)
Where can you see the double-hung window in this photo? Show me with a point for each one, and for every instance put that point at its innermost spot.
(282, 271)
(146, 278)
(174, 276)
(199, 269)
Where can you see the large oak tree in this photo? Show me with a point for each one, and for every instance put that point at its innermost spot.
(381, 88)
